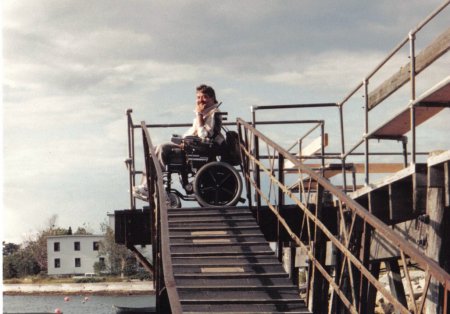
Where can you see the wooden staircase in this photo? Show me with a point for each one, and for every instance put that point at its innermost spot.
(222, 264)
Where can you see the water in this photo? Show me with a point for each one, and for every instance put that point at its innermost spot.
(76, 305)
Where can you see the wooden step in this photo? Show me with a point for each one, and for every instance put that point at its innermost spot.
(213, 230)
(221, 254)
(216, 239)
(239, 294)
(190, 219)
(222, 263)
(225, 260)
(231, 280)
(240, 222)
(228, 269)
(286, 306)
(210, 211)
(251, 247)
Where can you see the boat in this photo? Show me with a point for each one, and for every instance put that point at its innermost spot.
(132, 310)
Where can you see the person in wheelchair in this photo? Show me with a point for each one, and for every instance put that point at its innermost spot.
(206, 125)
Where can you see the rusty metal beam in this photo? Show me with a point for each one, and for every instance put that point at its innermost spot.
(141, 258)
(432, 268)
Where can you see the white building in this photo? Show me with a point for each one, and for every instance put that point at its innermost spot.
(73, 254)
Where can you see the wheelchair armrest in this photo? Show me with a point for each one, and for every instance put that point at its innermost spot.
(223, 114)
(176, 139)
(192, 140)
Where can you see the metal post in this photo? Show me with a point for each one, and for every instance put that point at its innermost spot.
(322, 146)
(130, 159)
(366, 130)
(341, 123)
(280, 204)
(256, 154)
(412, 37)
(245, 162)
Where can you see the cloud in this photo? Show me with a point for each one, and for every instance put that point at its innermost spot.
(72, 69)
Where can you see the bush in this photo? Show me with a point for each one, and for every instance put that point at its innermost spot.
(89, 280)
(142, 274)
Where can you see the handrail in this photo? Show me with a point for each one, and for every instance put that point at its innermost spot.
(130, 161)
(396, 49)
(406, 74)
(160, 210)
(430, 266)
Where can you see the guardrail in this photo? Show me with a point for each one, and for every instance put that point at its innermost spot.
(354, 268)
(168, 300)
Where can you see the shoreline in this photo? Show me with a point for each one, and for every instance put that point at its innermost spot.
(98, 288)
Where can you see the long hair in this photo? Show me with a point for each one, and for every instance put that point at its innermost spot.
(208, 90)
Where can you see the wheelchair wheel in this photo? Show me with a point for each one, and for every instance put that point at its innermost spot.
(173, 201)
(217, 184)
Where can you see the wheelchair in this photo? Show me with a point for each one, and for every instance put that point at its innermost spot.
(204, 174)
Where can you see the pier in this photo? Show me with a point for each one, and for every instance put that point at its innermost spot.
(317, 229)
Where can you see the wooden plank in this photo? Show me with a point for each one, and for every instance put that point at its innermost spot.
(309, 150)
(438, 158)
(404, 173)
(379, 204)
(208, 233)
(378, 167)
(217, 241)
(225, 268)
(426, 106)
(435, 238)
(395, 281)
(315, 146)
(401, 123)
(401, 204)
(380, 249)
(222, 269)
(426, 57)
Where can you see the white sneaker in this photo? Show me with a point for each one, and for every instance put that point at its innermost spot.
(140, 192)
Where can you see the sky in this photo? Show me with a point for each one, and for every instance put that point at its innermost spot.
(71, 69)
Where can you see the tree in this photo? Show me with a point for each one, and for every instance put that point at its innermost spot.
(36, 245)
(10, 248)
(117, 254)
(82, 230)
(9, 267)
(20, 264)
(31, 257)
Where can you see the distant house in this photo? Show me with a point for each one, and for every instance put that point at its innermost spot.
(73, 254)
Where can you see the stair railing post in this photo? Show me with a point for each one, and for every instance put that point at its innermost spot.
(256, 170)
(412, 70)
(130, 160)
(243, 138)
(341, 125)
(366, 131)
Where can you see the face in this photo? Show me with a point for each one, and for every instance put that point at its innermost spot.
(204, 100)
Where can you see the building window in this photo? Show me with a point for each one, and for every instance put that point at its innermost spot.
(57, 263)
(77, 262)
(101, 260)
(76, 246)
(56, 246)
(96, 246)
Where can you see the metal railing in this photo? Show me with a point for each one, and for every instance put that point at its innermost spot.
(168, 300)
(408, 73)
(352, 268)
